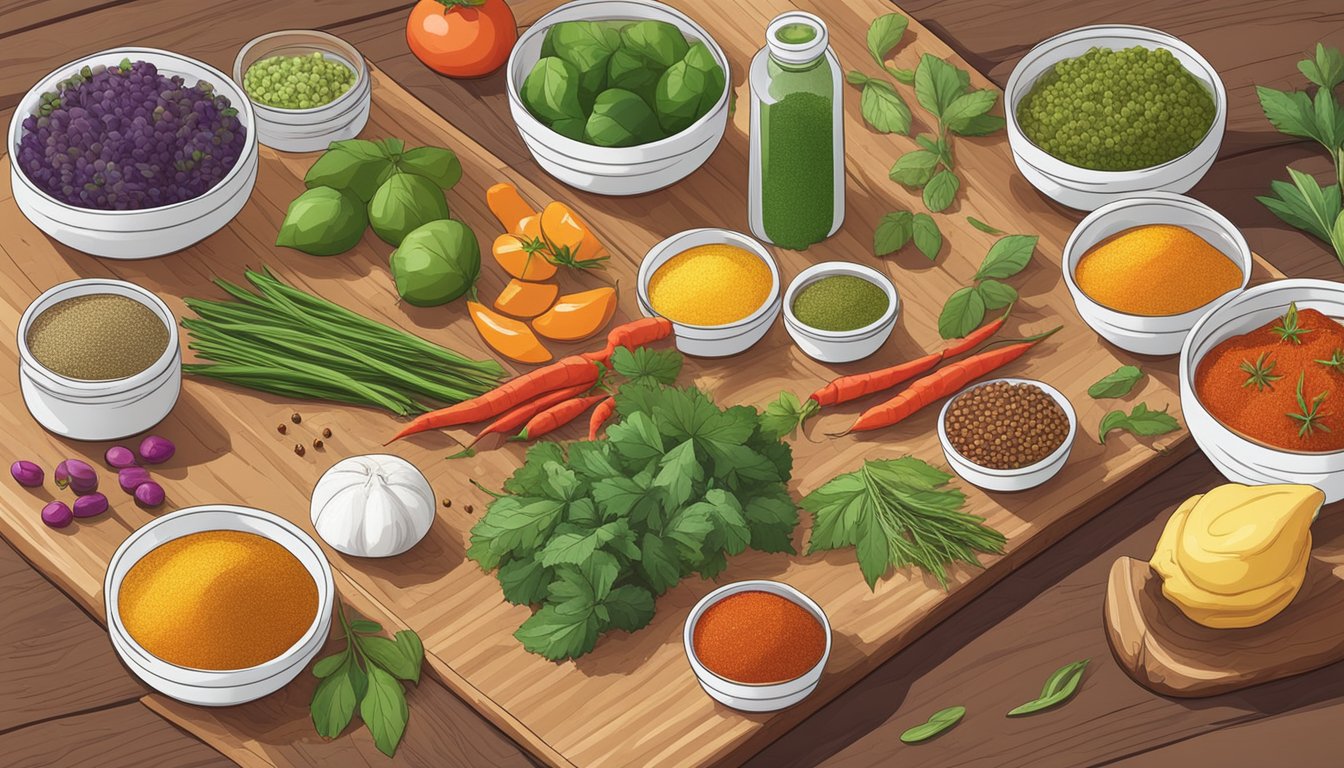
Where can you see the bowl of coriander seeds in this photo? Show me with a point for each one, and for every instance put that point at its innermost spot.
(1007, 434)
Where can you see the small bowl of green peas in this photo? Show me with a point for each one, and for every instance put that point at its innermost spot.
(1105, 112)
(307, 88)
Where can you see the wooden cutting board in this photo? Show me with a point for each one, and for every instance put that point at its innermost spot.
(633, 701)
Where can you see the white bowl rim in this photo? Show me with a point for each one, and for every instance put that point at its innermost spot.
(345, 47)
(1244, 260)
(326, 590)
(1050, 459)
(825, 269)
(244, 109)
(1188, 367)
(568, 146)
(1051, 165)
(791, 593)
(729, 237)
(170, 353)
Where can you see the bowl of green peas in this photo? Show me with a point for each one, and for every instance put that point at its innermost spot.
(308, 88)
(1100, 113)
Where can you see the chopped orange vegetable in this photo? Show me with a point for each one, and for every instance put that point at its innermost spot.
(571, 241)
(522, 254)
(507, 336)
(508, 206)
(524, 299)
(578, 315)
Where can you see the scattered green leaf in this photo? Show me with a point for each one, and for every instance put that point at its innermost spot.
(1139, 421)
(938, 722)
(883, 108)
(928, 239)
(941, 190)
(884, 34)
(1061, 685)
(782, 417)
(962, 313)
(1008, 256)
(983, 227)
(996, 295)
(1117, 384)
(915, 168)
(893, 232)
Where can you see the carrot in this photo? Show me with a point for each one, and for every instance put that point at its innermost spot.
(944, 382)
(566, 372)
(636, 333)
(520, 415)
(558, 416)
(600, 415)
(852, 387)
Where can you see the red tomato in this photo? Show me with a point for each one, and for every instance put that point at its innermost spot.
(462, 38)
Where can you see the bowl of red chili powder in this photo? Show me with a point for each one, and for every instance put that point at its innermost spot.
(1262, 385)
(757, 646)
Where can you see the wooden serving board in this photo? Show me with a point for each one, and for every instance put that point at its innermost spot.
(634, 700)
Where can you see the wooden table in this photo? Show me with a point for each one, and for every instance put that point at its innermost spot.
(71, 703)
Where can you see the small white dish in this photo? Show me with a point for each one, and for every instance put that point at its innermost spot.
(615, 170)
(712, 340)
(309, 130)
(1238, 458)
(745, 696)
(1084, 188)
(1141, 334)
(1010, 480)
(148, 232)
(841, 346)
(219, 688)
(99, 410)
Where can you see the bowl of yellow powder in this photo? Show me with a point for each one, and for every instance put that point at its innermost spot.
(218, 605)
(720, 289)
(1143, 270)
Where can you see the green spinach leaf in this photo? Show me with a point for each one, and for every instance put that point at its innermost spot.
(621, 119)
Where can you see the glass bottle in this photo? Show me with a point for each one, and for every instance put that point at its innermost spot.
(797, 185)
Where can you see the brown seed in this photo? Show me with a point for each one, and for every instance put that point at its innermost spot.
(447, 503)
(295, 417)
(281, 428)
(467, 509)
(326, 431)
(298, 448)
(317, 443)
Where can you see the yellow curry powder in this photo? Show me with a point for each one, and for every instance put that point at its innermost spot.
(1156, 270)
(710, 285)
(218, 600)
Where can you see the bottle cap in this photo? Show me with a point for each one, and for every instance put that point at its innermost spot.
(796, 37)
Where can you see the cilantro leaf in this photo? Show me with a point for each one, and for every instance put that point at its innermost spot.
(645, 365)
(689, 529)
(630, 607)
(577, 547)
(636, 438)
(659, 563)
(730, 527)
(592, 461)
(524, 580)
(530, 475)
(512, 524)
(678, 472)
(785, 415)
(557, 636)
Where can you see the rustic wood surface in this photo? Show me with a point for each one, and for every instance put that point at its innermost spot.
(863, 722)
(124, 736)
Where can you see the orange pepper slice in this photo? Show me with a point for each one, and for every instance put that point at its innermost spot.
(523, 299)
(510, 338)
(522, 254)
(572, 240)
(508, 206)
(578, 315)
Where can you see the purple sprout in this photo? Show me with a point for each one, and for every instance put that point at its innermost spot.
(91, 505)
(149, 494)
(57, 514)
(27, 474)
(131, 478)
(119, 457)
(76, 475)
(156, 450)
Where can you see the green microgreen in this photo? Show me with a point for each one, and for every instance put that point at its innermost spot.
(1289, 329)
(1260, 373)
(1309, 416)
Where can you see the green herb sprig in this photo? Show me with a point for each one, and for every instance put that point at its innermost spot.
(938, 722)
(367, 674)
(1336, 360)
(965, 309)
(1260, 373)
(1308, 415)
(1058, 688)
(1117, 384)
(1139, 421)
(1304, 203)
(1289, 329)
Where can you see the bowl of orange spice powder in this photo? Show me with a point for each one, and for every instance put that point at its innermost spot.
(1262, 385)
(757, 646)
(218, 605)
(1142, 270)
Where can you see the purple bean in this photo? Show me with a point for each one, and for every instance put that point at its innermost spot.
(91, 505)
(131, 478)
(119, 457)
(57, 514)
(149, 494)
(76, 475)
(156, 450)
(28, 474)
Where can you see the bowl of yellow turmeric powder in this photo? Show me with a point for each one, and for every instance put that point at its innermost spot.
(218, 605)
(1143, 270)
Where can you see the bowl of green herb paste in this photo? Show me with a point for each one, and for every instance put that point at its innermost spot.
(838, 312)
(1105, 112)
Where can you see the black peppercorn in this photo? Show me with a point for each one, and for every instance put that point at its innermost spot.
(295, 417)
(326, 431)
(317, 443)
(298, 448)
(281, 428)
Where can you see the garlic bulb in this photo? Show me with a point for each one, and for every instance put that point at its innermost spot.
(373, 506)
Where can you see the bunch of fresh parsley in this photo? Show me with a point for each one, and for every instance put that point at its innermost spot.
(1304, 203)
(595, 530)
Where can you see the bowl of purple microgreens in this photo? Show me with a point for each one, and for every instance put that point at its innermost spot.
(132, 153)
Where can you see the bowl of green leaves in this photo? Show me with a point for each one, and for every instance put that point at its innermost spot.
(618, 97)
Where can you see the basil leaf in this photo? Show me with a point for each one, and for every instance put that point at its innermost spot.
(334, 701)
(1325, 70)
(855, 77)
(981, 125)
(983, 227)
(1058, 688)
(903, 76)
(349, 166)
(326, 667)
(437, 164)
(941, 190)
(884, 34)
(928, 239)
(883, 108)
(1117, 384)
(967, 106)
(996, 295)
(551, 90)
(413, 649)
(384, 710)
(1008, 256)
(893, 232)
(938, 722)
(1139, 421)
(323, 222)
(937, 84)
(364, 625)
(388, 655)
(963, 313)
(914, 169)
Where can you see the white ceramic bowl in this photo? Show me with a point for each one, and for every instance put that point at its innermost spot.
(309, 130)
(712, 340)
(1242, 460)
(99, 410)
(148, 232)
(841, 346)
(745, 696)
(1009, 480)
(1142, 334)
(216, 688)
(615, 170)
(1087, 189)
